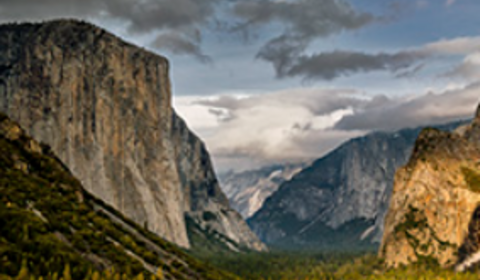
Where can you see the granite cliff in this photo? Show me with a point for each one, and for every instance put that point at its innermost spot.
(434, 211)
(49, 221)
(104, 106)
(340, 201)
(248, 190)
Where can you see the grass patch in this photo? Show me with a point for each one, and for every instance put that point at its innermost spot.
(472, 178)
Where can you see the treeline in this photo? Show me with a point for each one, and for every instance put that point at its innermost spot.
(24, 274)
(329, 266)
(281, 266)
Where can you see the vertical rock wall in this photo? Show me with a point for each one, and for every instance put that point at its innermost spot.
(104, 106)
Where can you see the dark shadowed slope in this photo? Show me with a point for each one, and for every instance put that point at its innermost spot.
(49, 220)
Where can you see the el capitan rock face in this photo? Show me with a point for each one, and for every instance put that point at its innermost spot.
(104, 106)
(434, 210)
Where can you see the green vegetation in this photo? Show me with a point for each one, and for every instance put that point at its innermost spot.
(472, 178)
(283, 265)
(416, 220)
(288, 266)
(209, 216)
(349, 235)
(66, 274)
(50, 228)
(49, 223)
(413, 220)
(208, 243)
(332, 266)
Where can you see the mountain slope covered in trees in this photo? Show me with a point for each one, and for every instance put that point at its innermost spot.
(49, 222)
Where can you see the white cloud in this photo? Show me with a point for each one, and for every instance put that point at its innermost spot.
(281, 126)
(426, 109)
(469, 69)
(199, 117)
(456, 46)
(244, 132)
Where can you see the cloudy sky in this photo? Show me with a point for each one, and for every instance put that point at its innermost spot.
(269, 81)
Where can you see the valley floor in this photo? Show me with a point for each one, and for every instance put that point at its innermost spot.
(290, 266)
(322, 266)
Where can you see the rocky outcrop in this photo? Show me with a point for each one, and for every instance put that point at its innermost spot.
(433, 214)
(248, 190)
(104, 106)
(49, 221)
(340, 201)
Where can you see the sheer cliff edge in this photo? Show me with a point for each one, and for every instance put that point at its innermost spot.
(104, 106)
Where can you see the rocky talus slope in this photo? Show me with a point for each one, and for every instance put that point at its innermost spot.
(434, 210)
(104, 106)
(248, 190)
(49, 221)
(340, 201)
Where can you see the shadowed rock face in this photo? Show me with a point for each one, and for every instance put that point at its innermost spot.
(104, 106)
(468, 254)
(38, 192)
(340, 201)
(433, 212)
(248, 190)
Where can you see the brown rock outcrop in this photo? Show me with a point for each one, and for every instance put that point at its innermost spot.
(104, 106)
(435, 197)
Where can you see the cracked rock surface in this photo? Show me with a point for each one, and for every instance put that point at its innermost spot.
(104, 106)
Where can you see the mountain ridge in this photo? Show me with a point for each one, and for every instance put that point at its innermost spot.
(341, 198)
(104, 106)
(248, 190)
(50, 222)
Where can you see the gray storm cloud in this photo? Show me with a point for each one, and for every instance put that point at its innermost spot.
(303, 22)
(179, 44)
(177, 26)
(293, 26)
(179, 20)
(330, 65)
(427, 109)
(300, 23)
(306, 19)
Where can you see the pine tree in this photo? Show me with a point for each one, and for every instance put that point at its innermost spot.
(23, 273)
(66, 273)
(160, 273)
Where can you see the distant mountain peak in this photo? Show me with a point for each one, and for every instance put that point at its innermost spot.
(248, 190)
(340, 201)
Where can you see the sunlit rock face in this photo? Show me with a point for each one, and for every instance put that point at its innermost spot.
(340, 201)
(434, 210)
(248, 190)
(104, 106)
